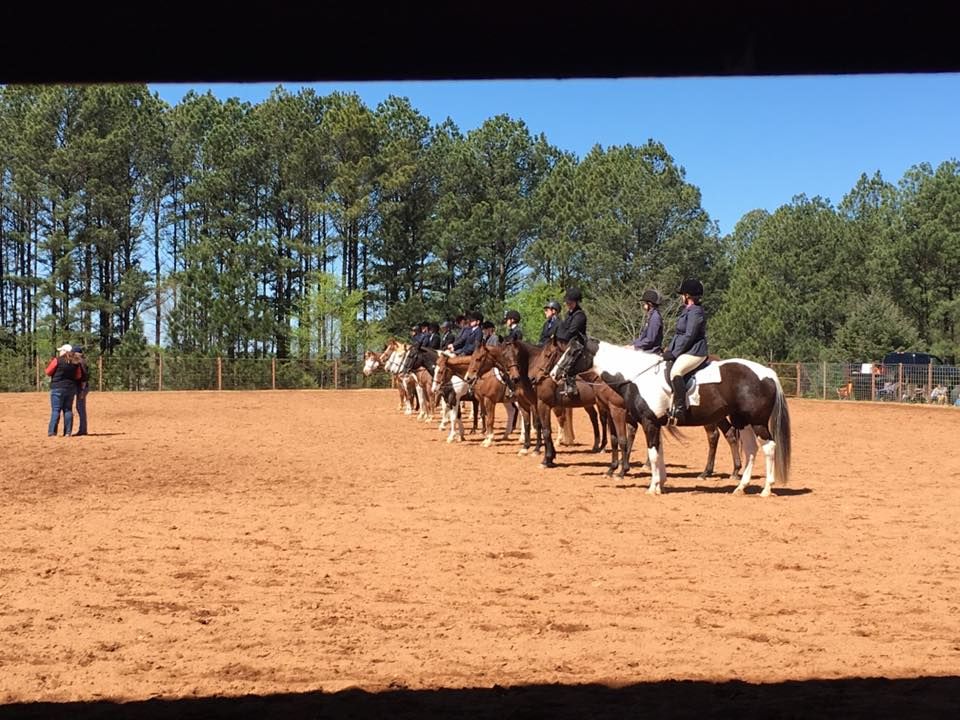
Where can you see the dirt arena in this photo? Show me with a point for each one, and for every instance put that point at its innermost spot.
(318, 551)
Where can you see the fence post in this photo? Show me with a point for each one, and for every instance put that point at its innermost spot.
(798, 379)
(873, 383)
(100, 374)
(36, 368)
(273, 373)
(929, 379)
(900, 380)
(160, 372)
(336, 374)
(824, 379)
(219, 373)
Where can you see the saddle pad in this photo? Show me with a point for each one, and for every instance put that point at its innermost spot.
(709, 375)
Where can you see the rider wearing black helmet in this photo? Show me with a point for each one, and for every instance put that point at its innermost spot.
(573, 331)
(551, 310)
(689, 347)
(511, 318)
(651, 338)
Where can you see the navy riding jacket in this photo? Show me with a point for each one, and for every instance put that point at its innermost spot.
(651, 339)
(691, 337)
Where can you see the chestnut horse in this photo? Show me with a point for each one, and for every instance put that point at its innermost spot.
(522, 360)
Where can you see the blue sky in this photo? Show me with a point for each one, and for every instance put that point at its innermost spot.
(745, 142)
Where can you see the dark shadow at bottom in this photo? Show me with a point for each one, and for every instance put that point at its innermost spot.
(924, 697)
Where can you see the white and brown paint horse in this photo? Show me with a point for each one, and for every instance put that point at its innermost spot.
(746, 393)
(389, 361)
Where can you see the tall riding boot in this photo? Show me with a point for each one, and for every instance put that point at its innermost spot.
(570, 386)
(679, 409)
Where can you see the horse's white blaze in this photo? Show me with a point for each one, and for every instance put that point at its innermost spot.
(749, 442)
(769, 448)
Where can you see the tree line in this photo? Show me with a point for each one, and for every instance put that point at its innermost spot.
(310, 226)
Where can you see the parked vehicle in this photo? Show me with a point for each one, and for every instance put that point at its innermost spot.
(916, 368)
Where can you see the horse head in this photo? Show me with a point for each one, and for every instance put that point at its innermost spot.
(544, 362)
(441, 373)
(371, 362)
(482, 361)
(510, 359)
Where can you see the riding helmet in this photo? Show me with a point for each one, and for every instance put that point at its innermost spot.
(552, 305)
(512, 315)
(651, 296)
(691, 286)
(573, 295)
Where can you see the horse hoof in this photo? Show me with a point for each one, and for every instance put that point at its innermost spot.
(522, 452)
(738, 490)
(766, 492)
(610, 472)
(653, 491)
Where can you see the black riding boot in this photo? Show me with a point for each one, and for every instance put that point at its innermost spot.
(511, 388)
(679, 410)
(569, 387)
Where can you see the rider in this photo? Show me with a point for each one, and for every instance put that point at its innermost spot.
(448, 335)
(490, 336)
(689, 347)
(432, 339)
(573, 331)
(425, 333)
(469, 337)
(550, 312)
(651, 339)
(511, 319)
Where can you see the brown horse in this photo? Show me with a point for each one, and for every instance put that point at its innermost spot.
(484, 360)
(519, 355)
(487, 389)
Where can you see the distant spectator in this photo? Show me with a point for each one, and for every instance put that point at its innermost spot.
(83, 387)
(64, 372)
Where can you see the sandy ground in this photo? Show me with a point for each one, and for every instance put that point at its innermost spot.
(296, 545)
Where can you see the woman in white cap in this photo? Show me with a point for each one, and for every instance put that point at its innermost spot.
(64, 371)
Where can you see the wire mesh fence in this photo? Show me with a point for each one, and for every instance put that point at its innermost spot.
(167, 372)
(935, 384)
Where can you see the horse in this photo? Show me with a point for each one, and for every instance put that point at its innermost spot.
(453, 389)
(521, 360)
(484, 360)
(746, 393)
(389, 361)
(488, 389)
(421, 361)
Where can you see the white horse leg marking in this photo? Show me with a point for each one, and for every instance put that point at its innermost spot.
(656, 463)
(749, 442)
(769, 448)
(453, 425)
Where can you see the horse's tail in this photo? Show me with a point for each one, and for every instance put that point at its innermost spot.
(780, 429)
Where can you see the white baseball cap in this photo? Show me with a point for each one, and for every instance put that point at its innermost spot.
(65, 349)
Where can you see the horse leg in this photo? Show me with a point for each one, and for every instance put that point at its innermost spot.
(490, 414)
(749, 442)
(713, 437)
(769, 447)
(549, 452)
(511, 418)
(733, 439)
(592, 414)
(614, 447)
(631, 432)
(658, 470)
